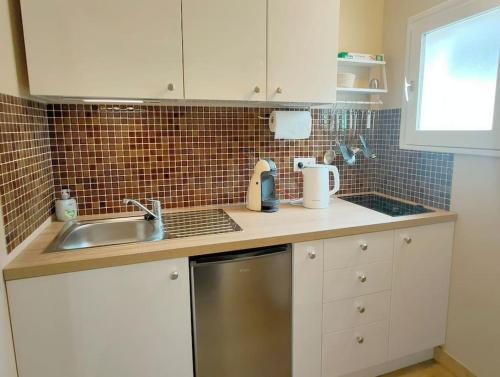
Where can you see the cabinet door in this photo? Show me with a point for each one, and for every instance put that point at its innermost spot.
(112, 48)
(302, 50)
(225, 49)
(420, 288)
(124, 321)
(307, 308)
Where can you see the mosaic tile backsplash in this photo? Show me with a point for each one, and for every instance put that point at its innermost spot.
(185, 156)
(422, 177)
(26, 186)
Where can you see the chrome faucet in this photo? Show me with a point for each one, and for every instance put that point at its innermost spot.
(155, 214)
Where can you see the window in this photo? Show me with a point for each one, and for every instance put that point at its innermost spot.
(453, 80)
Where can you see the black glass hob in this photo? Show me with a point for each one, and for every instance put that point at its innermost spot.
(385, 205)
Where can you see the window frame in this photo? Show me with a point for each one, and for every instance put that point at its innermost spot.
(465, 142)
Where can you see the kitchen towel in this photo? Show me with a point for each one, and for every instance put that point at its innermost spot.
(292, 125)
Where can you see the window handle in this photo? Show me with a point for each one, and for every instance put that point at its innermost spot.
(408, 85)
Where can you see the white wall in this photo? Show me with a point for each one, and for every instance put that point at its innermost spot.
(7, 358)
(13, 81)
(473, 335)
(13, 73)
(361, 26)
(396, 13)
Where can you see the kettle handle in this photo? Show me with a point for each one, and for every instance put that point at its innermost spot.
(336, 179)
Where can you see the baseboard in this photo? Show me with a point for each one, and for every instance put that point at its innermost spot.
(453, 365)
(393, 365)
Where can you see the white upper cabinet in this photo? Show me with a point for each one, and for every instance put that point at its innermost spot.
(420, 288)
(302, 48)
(125, 321)
(225, 49)
(231, 50)
(95, 48)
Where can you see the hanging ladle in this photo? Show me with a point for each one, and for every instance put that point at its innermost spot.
(367, 151)
(347, 154)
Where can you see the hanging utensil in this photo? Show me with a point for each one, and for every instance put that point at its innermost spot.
(349, 157)
(354, 119)
(337, 128)
(330, 155)
(367, 151)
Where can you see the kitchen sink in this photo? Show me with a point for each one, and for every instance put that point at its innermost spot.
(83, 234)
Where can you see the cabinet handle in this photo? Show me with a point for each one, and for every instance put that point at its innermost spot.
(408, 239)
(361, 308)
(279, 90)
(363, 246)
(312, 254)
(256, 89)
(171, 87)
(360, 339)
(174, 275)
(362, 277)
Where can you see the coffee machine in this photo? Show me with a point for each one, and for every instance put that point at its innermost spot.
(261, 195)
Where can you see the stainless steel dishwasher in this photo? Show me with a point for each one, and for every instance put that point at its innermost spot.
(242, 313)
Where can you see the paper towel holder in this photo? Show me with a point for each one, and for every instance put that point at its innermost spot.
(309, 108)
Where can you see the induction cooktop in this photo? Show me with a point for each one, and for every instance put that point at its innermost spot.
(385, 205)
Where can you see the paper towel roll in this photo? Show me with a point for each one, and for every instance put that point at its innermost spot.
(291, 125)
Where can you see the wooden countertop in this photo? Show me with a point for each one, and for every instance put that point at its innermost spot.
(290, 224)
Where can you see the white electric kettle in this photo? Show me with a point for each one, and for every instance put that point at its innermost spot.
(317, 185)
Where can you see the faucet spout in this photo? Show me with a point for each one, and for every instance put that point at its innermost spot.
(155, 214)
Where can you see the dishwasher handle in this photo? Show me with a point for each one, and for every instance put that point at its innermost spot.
(240, 255)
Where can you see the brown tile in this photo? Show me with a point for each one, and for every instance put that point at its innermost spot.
(26, 185)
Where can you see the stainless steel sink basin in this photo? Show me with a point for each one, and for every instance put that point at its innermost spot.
(82, 234)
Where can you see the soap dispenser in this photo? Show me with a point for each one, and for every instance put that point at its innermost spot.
(66, 207)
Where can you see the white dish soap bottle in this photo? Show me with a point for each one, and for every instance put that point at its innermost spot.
(66, 207)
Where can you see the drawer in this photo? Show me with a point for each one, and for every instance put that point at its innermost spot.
(352, 312)
(357, 281)
(355, 349)
(352, 251)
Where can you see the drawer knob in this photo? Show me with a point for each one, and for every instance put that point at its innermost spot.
(363, 246)
(360, 339)
(312, 254)
(279, 90)
(171, 87)
(362, 278)
(256, 89)
(361, 308)
(174, 275)
(408, 240)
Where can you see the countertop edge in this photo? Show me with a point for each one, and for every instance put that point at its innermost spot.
(24, 272)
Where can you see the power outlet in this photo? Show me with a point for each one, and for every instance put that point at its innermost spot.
(306, 161)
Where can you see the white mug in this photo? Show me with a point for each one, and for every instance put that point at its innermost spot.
(317, 191)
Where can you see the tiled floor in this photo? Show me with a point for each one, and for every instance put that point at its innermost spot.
(425, 369)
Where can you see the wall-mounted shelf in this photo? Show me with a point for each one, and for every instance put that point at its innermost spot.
(365, 71)
(359, 63)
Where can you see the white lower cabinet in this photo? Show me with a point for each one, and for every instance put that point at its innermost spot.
(366, 300)
(355, 348)
(353, 312)
(125, 321)
(420, 288)
(357, 281)
(358, 302)
(307, 308)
